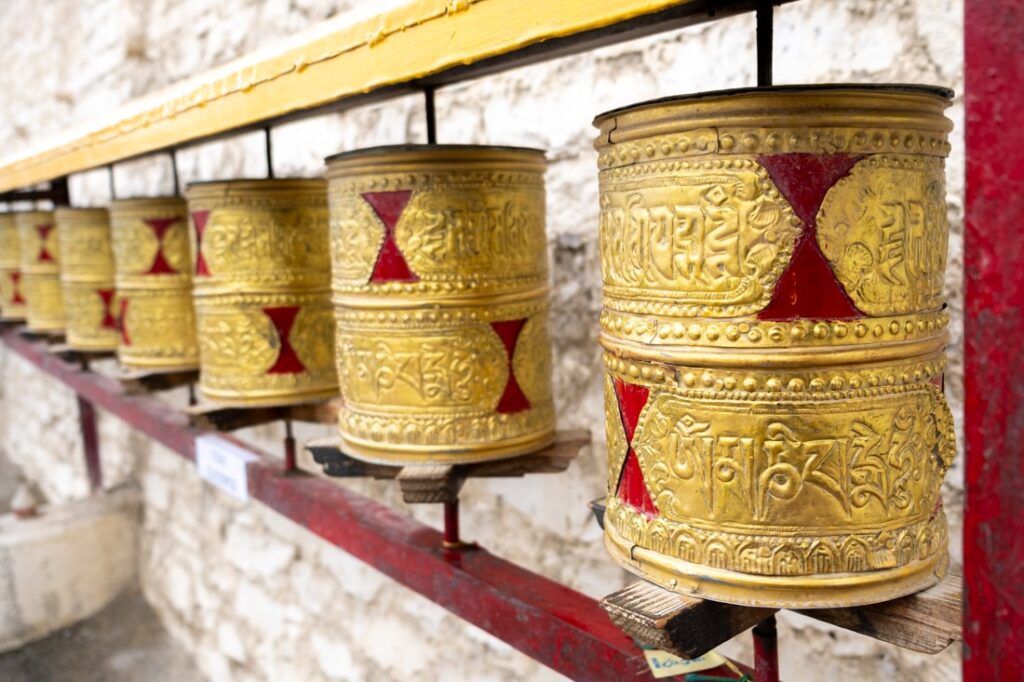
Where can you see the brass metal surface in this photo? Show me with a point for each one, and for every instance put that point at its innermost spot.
(39, 248)
(441, 298)
(87, 279)
(12, 301)
(261, 290)
(154, 284)
(771, 443)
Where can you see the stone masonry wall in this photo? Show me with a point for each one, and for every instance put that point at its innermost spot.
(258, 598)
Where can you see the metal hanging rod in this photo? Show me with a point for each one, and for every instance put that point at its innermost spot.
(57, 193)
(173, 153)
(765, 37)
(431, 115)
(269, 148)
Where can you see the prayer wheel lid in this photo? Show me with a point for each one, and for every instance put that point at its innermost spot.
(453, 149)
(146, 201)
(259, 184)
(74, 211)
(893, 88)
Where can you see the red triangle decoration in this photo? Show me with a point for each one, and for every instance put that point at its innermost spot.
(16, 296)
(283, 318)
(512, 398)
(160, 226)
(44, 254)
(808, 289)
(390, 265)
(109, 321)
(199, 219)
(125, 341)
(632, 489)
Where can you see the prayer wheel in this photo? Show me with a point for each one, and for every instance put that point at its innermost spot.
(441, 297)
(774, 331)
(12, 302)
(154, 284)
(87, 279)
(40, 271)
(261, 288)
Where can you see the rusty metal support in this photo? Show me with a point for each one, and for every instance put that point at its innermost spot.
(289, 447)
(766, 651)
(90, 443)
(451, 524)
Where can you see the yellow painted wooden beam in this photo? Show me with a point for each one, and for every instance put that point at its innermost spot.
(339, 60)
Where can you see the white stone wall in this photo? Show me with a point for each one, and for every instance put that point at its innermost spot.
(256, 597)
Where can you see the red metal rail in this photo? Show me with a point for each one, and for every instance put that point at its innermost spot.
(994, 328)
(549, 622)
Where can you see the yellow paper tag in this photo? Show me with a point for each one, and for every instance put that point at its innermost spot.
(664, 664)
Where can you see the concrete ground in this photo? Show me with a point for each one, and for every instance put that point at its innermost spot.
(123, 643)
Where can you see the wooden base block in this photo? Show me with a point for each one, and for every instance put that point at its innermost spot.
(137, 381)
(433, 483)
(684, 626)
(231, 418)
(82, 357)
(49, 337)
(925, 622)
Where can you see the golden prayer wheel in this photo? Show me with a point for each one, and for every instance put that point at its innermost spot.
(87, 278)
(262, 291)
(12, 302)
(39, 248)
(154, 284)
(441, 298)
(774, 332)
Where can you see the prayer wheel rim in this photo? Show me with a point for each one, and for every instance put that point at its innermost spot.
(825, 89)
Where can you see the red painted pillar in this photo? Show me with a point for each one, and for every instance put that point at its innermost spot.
(994, 331)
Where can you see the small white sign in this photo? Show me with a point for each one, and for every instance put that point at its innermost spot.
(664, 664)
(222, 463)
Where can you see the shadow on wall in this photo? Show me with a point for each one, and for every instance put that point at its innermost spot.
(9, 475)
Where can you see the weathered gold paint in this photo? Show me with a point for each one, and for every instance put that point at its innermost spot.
(796, 462)
(39, 248)
(265, 245)
(153, 266)
(423, 370)
(87, 278)
(12, 303)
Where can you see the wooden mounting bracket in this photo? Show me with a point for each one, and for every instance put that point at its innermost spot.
(81, 357)
(49, 337)
(434, 483)
(215, 417)
(925, 622)
(685, 626)
(138, 381)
